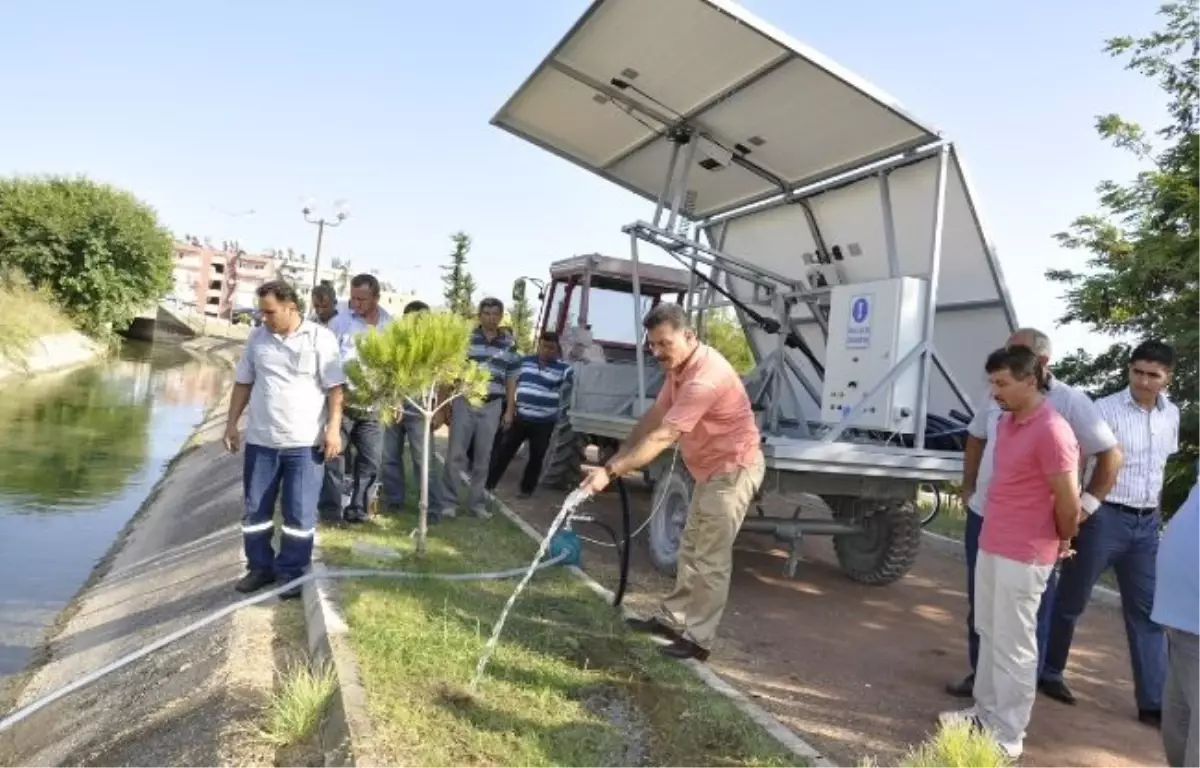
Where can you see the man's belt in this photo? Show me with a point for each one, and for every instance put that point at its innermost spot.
(1138, 511)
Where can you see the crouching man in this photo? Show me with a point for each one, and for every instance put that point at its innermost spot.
(704, 406)
(290, 375)
(1033, 510)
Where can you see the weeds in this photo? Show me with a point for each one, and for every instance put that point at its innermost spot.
(299, 704)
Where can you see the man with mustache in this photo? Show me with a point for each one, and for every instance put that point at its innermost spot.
(704, 406)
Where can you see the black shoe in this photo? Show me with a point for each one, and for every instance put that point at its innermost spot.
(357, 518)
(963, 689)
(293, 593)
(652, 626)
(254, 581)
(1057, 690)
(684, 649)
(1151, 717)
(525, 494)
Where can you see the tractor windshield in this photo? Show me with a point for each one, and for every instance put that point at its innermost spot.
(610, 314)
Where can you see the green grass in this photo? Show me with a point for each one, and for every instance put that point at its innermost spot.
(566, 686)
(25, 315)
(299, 704)
(954, 746)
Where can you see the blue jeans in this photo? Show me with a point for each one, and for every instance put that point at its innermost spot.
(411, 428)
(1128, 543)
(297, 473)
(360, 431)
(971, 543)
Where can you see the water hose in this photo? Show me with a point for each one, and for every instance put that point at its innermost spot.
(342, 573)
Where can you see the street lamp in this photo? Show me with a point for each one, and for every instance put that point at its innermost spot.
(321, 223)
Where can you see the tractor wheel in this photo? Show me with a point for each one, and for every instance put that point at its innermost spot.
(886, 549)
(563, 469)
(672, 495)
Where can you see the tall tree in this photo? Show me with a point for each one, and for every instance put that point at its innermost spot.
(1144, 253)
(460, 286)
(724, 333)
(99, 250)
(521, 318)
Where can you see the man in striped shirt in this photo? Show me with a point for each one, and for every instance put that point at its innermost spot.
(534, 398)
(1123, 532)
(475, 426)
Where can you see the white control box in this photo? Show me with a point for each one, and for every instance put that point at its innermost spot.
(872, 326)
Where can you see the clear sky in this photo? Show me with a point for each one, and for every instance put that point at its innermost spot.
(206, 110)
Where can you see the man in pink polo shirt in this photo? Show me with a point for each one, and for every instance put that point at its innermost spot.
(1033, 511)
(704, 406)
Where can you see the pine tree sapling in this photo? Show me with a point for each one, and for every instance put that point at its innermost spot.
(420, 361)
(460, 286)
(521, 319)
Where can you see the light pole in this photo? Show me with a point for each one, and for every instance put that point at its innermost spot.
(321, 224)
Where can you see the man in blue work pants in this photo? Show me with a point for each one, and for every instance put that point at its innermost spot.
(296, 474)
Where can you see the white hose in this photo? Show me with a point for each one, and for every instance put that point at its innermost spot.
(343, 573)
(654, 508)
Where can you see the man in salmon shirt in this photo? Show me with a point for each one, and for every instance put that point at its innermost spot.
(704, 406)
(1033, 511)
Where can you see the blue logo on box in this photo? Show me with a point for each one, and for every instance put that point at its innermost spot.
(860, 309)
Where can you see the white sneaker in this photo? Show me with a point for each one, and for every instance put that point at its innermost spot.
(960, 716)
(1011, 750)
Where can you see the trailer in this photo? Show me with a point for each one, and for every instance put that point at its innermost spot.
(839, 228)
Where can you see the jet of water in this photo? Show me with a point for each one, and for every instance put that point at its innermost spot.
(576, 497)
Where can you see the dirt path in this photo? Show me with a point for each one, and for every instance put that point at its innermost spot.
(859, 671)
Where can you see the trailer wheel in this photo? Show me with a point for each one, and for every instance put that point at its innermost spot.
(886, 549)
(666, 528)
(563, 468)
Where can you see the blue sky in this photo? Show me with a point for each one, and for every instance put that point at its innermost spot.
(208, 109)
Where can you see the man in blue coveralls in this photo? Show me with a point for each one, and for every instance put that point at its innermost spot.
(290, 375)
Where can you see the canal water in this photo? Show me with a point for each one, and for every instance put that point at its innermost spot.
(80, 452)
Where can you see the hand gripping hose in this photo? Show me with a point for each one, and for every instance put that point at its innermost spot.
(342, 573)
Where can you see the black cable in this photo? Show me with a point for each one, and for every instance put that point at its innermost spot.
(767, 324)
(624, 550)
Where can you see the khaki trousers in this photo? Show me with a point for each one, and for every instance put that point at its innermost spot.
(705, 561)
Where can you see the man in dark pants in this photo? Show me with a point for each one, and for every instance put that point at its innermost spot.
(1123, 532)
(534, 398)
(1095, 439)
(290, 377)
(360, 423)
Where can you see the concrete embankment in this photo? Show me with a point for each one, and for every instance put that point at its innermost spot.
(54, 352)
(174, 563)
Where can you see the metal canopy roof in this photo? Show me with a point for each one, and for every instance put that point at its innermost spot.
(769, 111)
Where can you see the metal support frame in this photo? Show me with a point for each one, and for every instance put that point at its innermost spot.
(935, 268)
(666, 190)
(640, 351)
(889, 225)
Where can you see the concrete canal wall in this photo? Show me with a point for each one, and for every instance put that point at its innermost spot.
(54, 352)
(175, 562)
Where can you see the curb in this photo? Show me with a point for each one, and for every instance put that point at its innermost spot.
(346, 728)
(944, 545)
(777, 730)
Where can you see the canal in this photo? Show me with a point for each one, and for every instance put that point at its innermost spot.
(80, 452)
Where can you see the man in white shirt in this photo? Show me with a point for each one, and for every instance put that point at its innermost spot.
(290, 376)
(1123, 532)
(361, 430)
(1095, 439)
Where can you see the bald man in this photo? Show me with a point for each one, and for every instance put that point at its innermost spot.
(1096, 439)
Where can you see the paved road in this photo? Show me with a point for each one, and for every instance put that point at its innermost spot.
(858, 671)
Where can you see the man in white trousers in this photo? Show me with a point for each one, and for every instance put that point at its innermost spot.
(1033, 511)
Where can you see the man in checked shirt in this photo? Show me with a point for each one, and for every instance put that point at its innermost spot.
(1123, 532)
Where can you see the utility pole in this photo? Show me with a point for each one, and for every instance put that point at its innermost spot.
(321, 223)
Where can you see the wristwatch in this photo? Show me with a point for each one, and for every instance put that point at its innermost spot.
(612, 474)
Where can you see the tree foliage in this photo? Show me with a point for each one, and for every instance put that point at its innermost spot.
(1144, 253)
(460, 285)
(725, 334)
(100, 252)
(420, 359)
(520, 319)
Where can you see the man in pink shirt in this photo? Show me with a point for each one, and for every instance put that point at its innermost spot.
(1033, 511)
(704, 406)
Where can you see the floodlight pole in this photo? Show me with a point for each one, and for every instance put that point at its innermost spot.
(321, 223)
